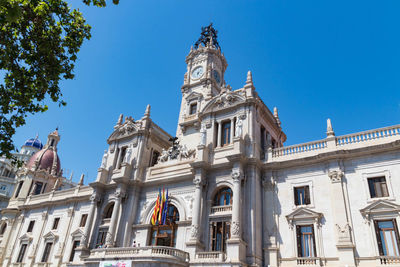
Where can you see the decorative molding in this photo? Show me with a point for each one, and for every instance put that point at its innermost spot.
(235, 230)
(379, 208)
(336, 176)
(303, 214)
(194, 232)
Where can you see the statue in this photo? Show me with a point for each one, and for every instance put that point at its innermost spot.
(208, 37)
(104, 160)
(239, 126)
(164, 156)
(128, 154)
(203, 135)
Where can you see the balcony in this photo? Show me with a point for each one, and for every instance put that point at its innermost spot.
(216, 210)
(155, 254)
(210, 256)
(389, 260)
(309, 261)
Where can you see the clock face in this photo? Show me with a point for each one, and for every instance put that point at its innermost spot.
(216, 76)
(197, 72)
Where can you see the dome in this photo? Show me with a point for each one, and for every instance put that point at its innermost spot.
(34, 142)
(46, 159)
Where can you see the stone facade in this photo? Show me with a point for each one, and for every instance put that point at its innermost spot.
(237, 195)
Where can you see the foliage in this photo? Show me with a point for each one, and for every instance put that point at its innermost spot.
(39, 42)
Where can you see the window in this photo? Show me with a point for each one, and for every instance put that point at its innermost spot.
(387, 236)
(226, 133)
(216, 134)
(83, 220)
(30, 226)
(101, 237)
(108, 211)
(262, 142)
(219, 233)
(193, 108)
(38, 188)
(121, 157)
(21, 253)
(18, 189)
(302, 195)
(223, 197)
(165, 235)
(305, 241)
(3, 187)
(3, 228)
(74, 246)
(154, 158)
(55, 223)
(377, 187)
(46, 252)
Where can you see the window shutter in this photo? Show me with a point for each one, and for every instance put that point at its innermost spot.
(298, 237)
(296, 199)
(378, 238)
(396, 233)
(313, 240)
(307, 195)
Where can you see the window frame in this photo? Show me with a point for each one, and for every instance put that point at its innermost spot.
(226, 135)
(101, 236)
(73, 249)
(31, 225)
(56, 222)
(20, 258)
(47, 251)
(226, 235)
(84, 217)
(378, 236)
(310, 185)
(307, 198)
(222, 191)
(383, 173)
(193, 108)
(299, 238)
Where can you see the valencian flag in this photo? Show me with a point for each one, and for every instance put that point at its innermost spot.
(156, 209)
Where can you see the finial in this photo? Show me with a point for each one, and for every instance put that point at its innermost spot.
(147, 112)
(81, 180)
(329, 129)
(120, 118)
(249, 78)
(72, 174)
(278, 121)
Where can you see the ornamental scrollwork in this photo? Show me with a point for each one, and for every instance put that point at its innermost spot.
(335, 176)
(194, 232)
(236, 176)
(235, 230)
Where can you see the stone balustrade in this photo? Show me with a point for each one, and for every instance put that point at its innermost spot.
(210, 256)
(309, 261)
(389, 260)
(221, 209)
(350, 141)
(154, 252)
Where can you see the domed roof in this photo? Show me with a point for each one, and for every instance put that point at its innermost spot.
(45, 159)
(34, 142)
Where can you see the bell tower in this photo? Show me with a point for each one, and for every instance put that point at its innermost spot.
(204, 78)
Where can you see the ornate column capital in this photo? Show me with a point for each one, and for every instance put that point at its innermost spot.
(198, 182)
(268, 181)
(335, 176)
(237, 176)
(94, 198)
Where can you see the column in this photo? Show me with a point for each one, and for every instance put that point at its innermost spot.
(219, 136)
(86, 232)
(114, 220)
(198, 182)
(235, 228)
(232, 131)
(344, 243)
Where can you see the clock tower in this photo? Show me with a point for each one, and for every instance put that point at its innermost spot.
(204, 78)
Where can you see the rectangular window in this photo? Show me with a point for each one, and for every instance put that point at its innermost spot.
(305, 241)
(30, 226)
(387, 236)
(215, 134)
(46, 251)
(219, 233)
(55, 223)
(302, 195)
(74, 246)
(262, 142)
(226, 133)
(193, 108)
(377, 187)
(83, 220)
(18, 189)
(21, 253)
(101, 237)
(154, 158)
(38, 188)
(121, 157)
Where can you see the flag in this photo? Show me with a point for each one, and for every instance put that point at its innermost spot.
(165, 210)
(161, 207)
(156, 209)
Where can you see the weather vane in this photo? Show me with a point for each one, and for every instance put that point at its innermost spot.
(208, 33)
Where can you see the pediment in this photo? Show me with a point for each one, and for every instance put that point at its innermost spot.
(77, 233)
(129, 127)
(303, 214)
(380, 206)
(50, 236)
(194, 95)
(224, 100)
(26, 238)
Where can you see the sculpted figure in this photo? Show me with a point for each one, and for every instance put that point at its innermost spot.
(239, 126)
(203, 135)
(164, 156)
(104, 160)
(128, 154)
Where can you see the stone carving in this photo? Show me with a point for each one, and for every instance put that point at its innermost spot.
(128, 155)
(343, 233)
(176, 152)
(336, 176)
(239, 126)
(194, 232)
(235, 230)
(329, 129)
(225, 99)
(84, 240)
(109, 239)
(142, 213)
(236, 176)
(203, 135)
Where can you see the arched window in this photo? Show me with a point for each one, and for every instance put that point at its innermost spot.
(165, 234)
(3, 228)
(108, 211)
(223, 197)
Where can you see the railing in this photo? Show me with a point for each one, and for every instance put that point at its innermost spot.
(221, 209)
(368, 135)
(339, 141)
(214, 256)
(295, 149)
(389, 260)
(4, 193)
(308, 261)
(137, 252)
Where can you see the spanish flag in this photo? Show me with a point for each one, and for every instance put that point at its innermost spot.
(161, 207)
(156, 210)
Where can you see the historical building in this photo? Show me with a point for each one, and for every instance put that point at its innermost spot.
(224, 192)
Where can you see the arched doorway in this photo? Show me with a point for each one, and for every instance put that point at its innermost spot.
(165, 235)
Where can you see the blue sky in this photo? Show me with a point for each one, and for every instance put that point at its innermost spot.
(312, 59)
